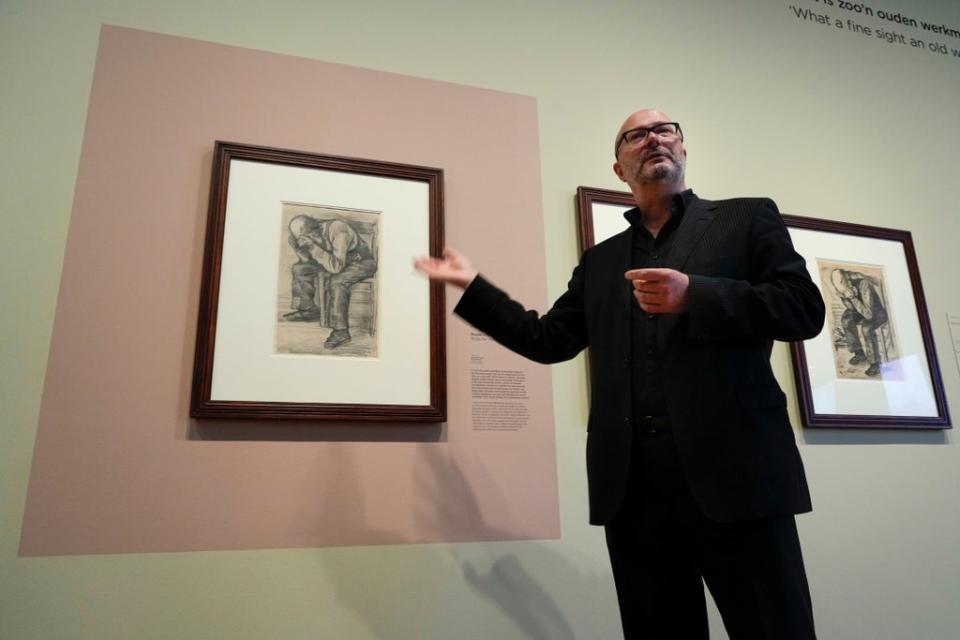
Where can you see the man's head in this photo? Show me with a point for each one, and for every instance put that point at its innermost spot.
(649, 150)
(840, 279)
(302, 225)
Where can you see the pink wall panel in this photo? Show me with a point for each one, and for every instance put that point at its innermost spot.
(118, 464)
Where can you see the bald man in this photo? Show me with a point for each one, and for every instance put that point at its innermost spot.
(692, 464)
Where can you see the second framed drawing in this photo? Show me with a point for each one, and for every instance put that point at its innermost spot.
(309, 307)
(874, 365)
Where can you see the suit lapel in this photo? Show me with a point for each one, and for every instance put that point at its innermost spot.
(697, 218)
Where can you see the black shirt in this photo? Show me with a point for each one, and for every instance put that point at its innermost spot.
(650, 252)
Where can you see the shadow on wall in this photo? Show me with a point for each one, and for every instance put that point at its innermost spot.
(873, 436)
(312, 431)
(373, 583)
(449, 510)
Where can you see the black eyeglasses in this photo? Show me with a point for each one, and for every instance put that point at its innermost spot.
(666, 130)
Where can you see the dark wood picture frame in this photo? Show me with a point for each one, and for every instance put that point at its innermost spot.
(202, 406)
(586, 198)
(809, 414)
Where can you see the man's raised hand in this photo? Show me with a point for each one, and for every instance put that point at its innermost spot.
(453, 267)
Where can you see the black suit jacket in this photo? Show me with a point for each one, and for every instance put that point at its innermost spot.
(748, 287)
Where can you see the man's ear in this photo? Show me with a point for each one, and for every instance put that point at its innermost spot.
(617, 169)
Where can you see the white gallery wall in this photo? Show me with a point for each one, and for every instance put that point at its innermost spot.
(830, 122)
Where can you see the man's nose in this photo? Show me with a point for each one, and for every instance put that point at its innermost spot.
(650, 140)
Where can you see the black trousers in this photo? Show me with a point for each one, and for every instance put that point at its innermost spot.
(663, 549)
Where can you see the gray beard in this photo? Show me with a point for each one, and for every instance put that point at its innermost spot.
(662, 173)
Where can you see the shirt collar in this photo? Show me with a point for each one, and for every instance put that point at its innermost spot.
(678, 206)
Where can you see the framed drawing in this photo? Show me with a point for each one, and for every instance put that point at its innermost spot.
(309, 308)
(874, 365)
(600, 214)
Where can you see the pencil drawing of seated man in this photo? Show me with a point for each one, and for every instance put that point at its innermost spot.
(864, 310)
(335, 249)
